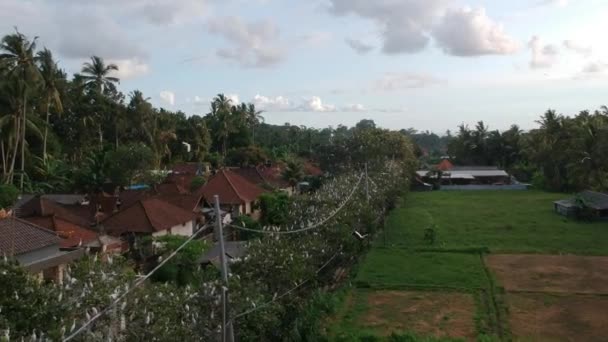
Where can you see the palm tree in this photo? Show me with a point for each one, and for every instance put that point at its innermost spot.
(96, 74)
(293, 172)
(19, 59)
(254, 118)
(48, 71)
(222, 109)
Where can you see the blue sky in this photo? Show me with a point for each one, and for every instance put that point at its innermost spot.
(427, 64)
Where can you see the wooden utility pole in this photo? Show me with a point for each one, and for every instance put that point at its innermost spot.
(227, 331)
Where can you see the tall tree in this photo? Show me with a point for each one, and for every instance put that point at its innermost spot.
(19, 59)
(50, 77)
(96, 75)
(222, 113)
(254, 118)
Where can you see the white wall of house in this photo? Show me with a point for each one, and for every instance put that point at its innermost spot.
(182, 230)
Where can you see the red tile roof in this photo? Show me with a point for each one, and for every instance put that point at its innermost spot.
(72, 235)
(20, 236)
(185, 201)
(187, 168)
(231, 188)
(445, 165)
(273, 175)
(147, 216)
(39, 206)
(251, 174)
(183, 181)
(170, 189)
(311, 169)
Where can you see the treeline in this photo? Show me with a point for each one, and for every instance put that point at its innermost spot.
(562, 154)
(63, 134)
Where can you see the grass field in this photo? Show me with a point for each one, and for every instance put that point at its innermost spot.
(403, 272)
(394, 268)
(503, 221)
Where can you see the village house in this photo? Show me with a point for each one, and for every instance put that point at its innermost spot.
(36, 248)
(150, 216)
(464, 175)
(70, 222)
(237, 195)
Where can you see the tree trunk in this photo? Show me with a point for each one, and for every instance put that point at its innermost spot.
(23, 120)
(46, 128)
(100, 137)
(11, 174)
(4, 173)
(116, 135)
(253, 134)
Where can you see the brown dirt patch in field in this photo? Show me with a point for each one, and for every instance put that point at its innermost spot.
(542, 317)
(427, 313)
(551, 273)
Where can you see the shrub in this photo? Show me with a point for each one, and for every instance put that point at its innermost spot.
(8, 195)
(196, 183)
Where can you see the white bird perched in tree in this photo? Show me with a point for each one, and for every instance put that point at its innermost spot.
(73, 327)
(359, 236)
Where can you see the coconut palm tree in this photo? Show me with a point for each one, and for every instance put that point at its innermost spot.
(19, 59)
(222, 110)
(254, 118)
(96, 74)
(50, 77)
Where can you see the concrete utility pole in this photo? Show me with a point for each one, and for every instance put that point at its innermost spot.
(227, 331)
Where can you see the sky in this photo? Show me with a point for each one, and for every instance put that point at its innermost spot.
(426, 64)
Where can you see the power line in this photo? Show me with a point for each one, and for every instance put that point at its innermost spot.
(135, 285)
(313, 226)
(274, 299)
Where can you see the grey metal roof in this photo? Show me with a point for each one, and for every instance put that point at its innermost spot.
(466, 174)
(233, 249)
(592, 199)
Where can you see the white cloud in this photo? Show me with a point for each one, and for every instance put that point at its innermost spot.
(407, 26)
(315, 104)
(234, 98)
(393, 81)
(359, 46)
(272, 104)
(354, 108)
(129, 68)
(596, 67)
(470, 32)
(403, 25)
(256, 44)
(577, 47)
(558, 3)
(167, 97)
(542, 56)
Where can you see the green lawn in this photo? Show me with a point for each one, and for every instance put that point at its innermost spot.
(503, 221)
(394, 268)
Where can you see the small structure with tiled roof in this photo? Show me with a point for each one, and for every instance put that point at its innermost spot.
(151, 216)
(236, 194)
(36, 248)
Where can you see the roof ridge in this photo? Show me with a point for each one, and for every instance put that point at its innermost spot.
(35, 225)
(141, 203)
(232, 185)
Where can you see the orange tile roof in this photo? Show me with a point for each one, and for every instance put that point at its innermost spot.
(72, 235)
(231, 188)
(147, 216)
(445, 165)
